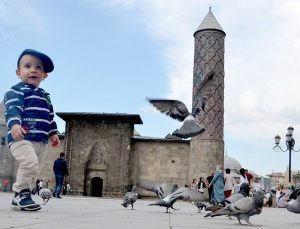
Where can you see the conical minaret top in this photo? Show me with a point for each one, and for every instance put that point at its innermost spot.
(209, 22)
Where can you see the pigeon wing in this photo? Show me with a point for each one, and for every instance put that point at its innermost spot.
(243, 205)
(131, 195)
(173, 108)
(188, 194)
(234, 198)
(203, 90)
(160, 189)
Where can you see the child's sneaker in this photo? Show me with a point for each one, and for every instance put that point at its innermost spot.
(23, 201)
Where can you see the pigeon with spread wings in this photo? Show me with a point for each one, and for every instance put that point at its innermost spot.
(182, 193)
(160, 189)
(178, 110)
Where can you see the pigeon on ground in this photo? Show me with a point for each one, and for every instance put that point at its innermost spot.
(130, 198)
(160, 189)
(181, 193)
(294, 204)
(243, 208)
(178, 110)
(242, 193)
(45, 194)
(200, 205)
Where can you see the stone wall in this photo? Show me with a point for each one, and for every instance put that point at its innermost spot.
(204, 156)
(107, 150)
(98, 149)
(159, 160)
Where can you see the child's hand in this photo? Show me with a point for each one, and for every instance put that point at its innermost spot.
(55, 140)
(17, 132)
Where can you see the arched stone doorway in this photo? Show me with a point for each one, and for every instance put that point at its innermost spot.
(96, 186)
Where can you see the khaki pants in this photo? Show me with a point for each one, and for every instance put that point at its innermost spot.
(30, 156)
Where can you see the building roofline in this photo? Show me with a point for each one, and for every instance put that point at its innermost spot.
(131, 118)
(153, 139)
(218, 30)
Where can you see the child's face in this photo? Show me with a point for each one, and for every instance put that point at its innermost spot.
(31, 70)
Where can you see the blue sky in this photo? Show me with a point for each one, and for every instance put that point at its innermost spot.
(110, 55)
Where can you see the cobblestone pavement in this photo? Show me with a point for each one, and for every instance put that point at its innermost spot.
(87, 212)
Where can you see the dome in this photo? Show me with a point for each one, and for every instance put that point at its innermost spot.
(231, 163)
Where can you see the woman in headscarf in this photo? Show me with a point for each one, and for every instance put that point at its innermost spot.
(218, 183)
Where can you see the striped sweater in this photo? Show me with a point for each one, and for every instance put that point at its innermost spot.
(31, 108)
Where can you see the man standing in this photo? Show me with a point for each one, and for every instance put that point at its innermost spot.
(210, 188)
(60, 170)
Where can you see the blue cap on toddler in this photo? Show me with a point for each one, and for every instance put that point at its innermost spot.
(47, 62)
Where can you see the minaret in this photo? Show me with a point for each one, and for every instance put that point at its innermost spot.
(207, 149)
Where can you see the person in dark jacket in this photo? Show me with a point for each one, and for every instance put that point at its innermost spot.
(210, 188)
(60, 170)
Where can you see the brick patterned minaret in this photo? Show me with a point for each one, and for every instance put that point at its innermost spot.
(208, 148)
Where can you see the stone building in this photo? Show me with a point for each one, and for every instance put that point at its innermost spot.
(105, 157)
(280, 179)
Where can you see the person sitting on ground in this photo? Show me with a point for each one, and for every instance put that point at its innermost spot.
(285, 197)
(201, 185)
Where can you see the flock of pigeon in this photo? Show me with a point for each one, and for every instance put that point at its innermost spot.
(238, 205)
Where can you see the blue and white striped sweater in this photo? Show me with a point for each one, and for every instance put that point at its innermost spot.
(31, 108)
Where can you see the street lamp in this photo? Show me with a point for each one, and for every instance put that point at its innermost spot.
(290, 142)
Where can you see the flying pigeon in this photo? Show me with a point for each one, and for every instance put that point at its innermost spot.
(181, 193)
(294, 204)
(45, 194)
(130, 198)
(243, 208)
(160, 189)
(178, 110)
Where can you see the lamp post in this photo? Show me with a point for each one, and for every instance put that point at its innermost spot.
(290, 142)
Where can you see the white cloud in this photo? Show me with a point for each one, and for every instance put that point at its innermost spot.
(21, 15)
(120, 4)
(262, 74)
(262, 57)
